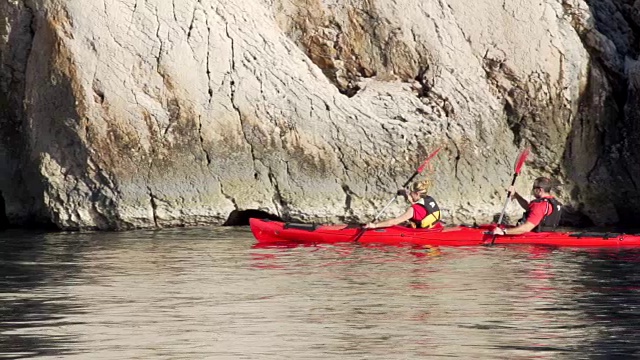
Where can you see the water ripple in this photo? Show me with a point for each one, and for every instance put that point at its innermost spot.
(210, 293)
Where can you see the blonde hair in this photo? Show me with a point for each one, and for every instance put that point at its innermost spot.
(422, 186)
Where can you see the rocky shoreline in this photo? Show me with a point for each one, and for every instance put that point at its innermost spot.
(122, 114)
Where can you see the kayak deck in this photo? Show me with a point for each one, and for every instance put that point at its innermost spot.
(266, 231)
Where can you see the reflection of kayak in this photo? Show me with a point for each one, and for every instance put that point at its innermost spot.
(266, 232)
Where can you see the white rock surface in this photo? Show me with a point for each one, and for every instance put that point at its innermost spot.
(165, 113)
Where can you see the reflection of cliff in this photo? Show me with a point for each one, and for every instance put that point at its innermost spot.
(27, 266)
(611, 303)
(116, 116)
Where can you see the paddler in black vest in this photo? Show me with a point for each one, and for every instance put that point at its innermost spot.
(424, 212)
(543, 213)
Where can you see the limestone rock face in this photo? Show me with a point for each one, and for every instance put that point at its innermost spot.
(16, 36)
(603, 149)
(121, 114)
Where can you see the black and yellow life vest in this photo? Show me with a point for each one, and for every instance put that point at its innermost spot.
(433, 214)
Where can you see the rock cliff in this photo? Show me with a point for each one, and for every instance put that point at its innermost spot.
(121, 114)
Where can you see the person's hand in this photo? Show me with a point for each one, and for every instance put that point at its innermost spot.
(498, 231)
(512, 192)
(402, 192)
(370, 226)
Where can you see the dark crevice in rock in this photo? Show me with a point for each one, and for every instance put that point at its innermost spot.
(161, 49)
(277, 195)
(350, 91)
(514, 121)
(174, 110)
(192, 22)
(348, 199)
(98, 96)
(426, 83)
(598, 161)
(458, 153)
(236, 108)
(438, 103)
(173, 8)
(457, 160)
(241, 217)
(4, 222)
(208, 59)
(154, 206)
(349, 217)
(152, 200)
(206, 153)
(228, 197)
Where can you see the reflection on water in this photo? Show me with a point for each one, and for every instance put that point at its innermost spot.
(211, 293)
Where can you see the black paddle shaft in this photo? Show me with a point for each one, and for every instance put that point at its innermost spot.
(504, 208)
(410, 179)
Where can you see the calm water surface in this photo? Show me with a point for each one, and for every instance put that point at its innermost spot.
(211, 294)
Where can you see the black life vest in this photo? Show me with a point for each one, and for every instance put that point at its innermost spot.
(433, 214)
(552, 215)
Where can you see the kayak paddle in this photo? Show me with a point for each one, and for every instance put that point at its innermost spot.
(516, 171)
(416, 173)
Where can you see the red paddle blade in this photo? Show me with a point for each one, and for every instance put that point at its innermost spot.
(424, 164)
(521, 159)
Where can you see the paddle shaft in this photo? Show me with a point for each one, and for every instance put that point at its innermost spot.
(516, 171)
(395, 197)
(504, 208)
(506, 201)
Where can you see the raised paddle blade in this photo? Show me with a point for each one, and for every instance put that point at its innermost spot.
(521, 159)
(424, 164)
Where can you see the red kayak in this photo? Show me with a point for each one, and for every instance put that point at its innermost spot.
(274, 232)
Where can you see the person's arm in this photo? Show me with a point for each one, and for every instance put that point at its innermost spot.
(395, 221)
(522, 201)
(536, 215)
(524, 228)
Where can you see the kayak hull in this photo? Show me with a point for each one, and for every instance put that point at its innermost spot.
(273, 232)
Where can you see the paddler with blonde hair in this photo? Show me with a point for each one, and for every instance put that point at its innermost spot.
(423, 213)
